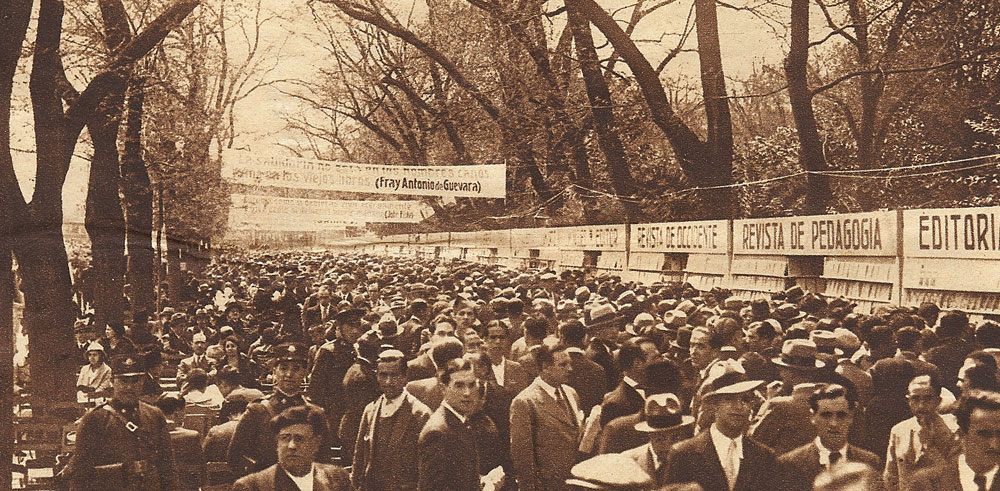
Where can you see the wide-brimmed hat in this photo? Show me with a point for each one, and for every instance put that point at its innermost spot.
(348, 313)
(675, 318)
(788, 312)
(800, 354)
(731, 378)
(603, 315)
(826, 342)
(641, 322)
(663, 412)
(683, 339)
(610, 471)
(794, 294)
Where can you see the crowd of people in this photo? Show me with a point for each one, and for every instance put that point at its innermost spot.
(351, 371)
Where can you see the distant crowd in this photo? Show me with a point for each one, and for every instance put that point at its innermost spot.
(352, 371)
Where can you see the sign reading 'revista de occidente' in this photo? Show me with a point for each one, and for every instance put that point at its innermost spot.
(469, 181)
(856, 234)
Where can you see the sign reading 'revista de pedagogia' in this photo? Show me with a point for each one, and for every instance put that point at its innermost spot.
(855, 234)
(469, 181)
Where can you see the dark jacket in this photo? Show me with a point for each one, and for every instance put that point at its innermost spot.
(448, 454)
(801, 466)
(327, 478)
(411, 417)
(695, 460)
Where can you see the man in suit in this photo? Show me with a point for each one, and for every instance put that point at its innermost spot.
(832, 414)
(385, 454)
(604, 325)
(447, 448)
(429, 390)
(189, 459)
(508, 374)
(976, 465)
(724, 457)
(587, 377)
(409, 340)
(922, 441)
(785, 420)
(423, 366)
(664, 426)
(628, 397)
(360, 388)
(662, 377)
(301, 430)
(318, 308)
(551, 408)
(199, 343)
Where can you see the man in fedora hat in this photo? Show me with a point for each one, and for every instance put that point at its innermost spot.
(603, 326)
(832, 409)
(785, 421)
(125, 443)
(664, 426)
(253, 447)
(724, 457)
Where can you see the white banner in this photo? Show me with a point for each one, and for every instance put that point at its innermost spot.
(470, 181)
(254, 212)
(705, 236)
(857, 234)
(963, 233)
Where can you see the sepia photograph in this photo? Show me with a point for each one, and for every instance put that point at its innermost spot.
(500, 245)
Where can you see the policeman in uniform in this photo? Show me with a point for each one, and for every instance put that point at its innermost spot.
(123, 444)
(253, 447)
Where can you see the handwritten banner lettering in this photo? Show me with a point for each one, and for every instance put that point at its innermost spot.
(254, 212)
(470, 181)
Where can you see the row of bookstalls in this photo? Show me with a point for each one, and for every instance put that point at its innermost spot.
(946, 256)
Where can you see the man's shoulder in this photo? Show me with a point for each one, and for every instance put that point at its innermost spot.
(799, 454)
(258, 480)
(904, 426)
(417, 408)
(860, 454)
(435, 424)
(694, 445)
(333, 473)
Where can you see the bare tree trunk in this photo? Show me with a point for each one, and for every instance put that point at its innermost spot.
(601, 107)
(810, 147)
(104, 220)
(721, 201)
(13, 26)
(138, 201)
(6, 328)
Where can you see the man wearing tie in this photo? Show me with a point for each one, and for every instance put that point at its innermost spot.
(724, 457)
(975, 467)
(385, 455)
(832, 414)
(199, 344)
(551, 408)
(664, 426)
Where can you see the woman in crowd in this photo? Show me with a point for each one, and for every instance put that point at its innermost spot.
(234, 357)
(95, 377)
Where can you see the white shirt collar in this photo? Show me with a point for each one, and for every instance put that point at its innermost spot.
(498, 370)
(574, 349)
(824, 453)
(721, 442)
(304, 483)
(967, 476)
(390, 407)
(453, 411)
